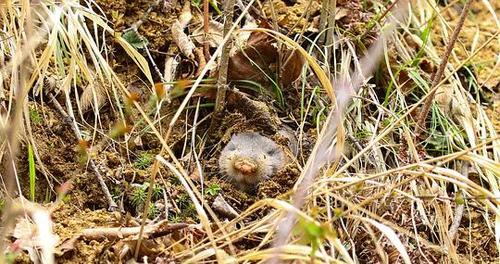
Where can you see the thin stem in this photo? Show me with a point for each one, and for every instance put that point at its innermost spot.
(420, 127)
(323, 20)
(386, 11)
(112, 206)
(206, 30)
(222, 80)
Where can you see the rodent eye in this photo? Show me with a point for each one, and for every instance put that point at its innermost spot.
(271, 152)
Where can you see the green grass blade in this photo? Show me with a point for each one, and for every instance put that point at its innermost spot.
(32, 175)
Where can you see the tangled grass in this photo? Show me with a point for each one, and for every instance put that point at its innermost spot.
(388, 195)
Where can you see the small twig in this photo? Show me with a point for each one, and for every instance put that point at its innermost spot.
(248, 16)
(112, 205)
(159, 229)
(224, 62)
(224, 207)
(420, 127)
(459, 210)
(152, 181)
(323, 20)
(206, 30)
(165, 200)
(135, 28)
(330, 30)
(198, 53)
(155, 67)
(169, 72)
(386, 11)
(139, 22)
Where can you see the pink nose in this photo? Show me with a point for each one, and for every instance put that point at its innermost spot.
(245, 166)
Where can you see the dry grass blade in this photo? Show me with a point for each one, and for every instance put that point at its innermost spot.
(20, 70)
(199, 208)
(362, 189)
(181, 108)
(325, 151)
(93, 96)
(437, 77)
(393, 237)
(224, 62)
(206, 69)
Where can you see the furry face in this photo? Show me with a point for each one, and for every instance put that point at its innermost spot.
(250, 158)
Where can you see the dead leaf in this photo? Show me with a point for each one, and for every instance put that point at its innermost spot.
(341, 12)
(427, 66)
(223, 207)
(215, 34)
(291, 67)
(241, 37)
(185, 16)
(127, 246)
(406, 83)
(257, 60)
(195, 175)
(180, 38)
(67, 246)
(200, 58)
(257, 37)
(254, 61)
(93, 95)
(444, 98)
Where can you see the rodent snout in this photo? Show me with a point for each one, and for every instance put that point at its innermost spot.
(249, 158)
(245, 166)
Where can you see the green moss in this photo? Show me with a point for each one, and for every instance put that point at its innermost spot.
(213, 189)
(144, 161)
(35, 117)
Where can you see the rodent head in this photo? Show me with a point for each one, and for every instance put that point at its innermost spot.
(250, 157)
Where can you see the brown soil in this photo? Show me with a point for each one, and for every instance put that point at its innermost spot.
(84, 206)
